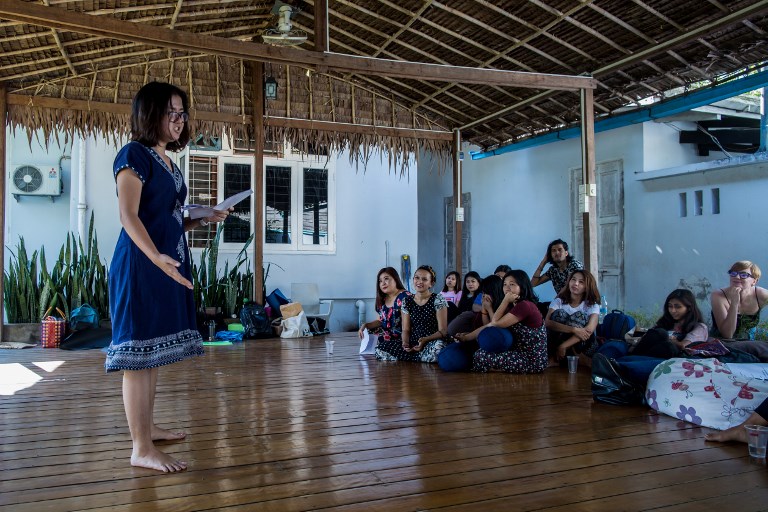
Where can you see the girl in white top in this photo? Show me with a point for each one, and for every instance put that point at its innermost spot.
(572, 318)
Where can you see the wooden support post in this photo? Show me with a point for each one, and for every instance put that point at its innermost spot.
(321, 25)
(257, 179)
(3, 173)
(589, 218)
(457, 224)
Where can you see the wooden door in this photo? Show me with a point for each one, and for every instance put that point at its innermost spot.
(449, 214)
(610, 228)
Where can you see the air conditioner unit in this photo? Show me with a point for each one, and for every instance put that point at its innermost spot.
(35, 180)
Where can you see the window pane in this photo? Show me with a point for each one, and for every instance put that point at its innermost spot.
(277, 185)
(237, 227)
(203, 176)
(315, 213)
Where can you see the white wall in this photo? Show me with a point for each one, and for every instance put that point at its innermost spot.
(521, 202)
(46, 221)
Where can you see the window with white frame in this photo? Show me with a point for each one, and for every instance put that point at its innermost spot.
(299, 202)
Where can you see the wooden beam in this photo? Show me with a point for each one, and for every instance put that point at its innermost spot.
(4, 118)
(257, 180)
(219, 117)
(107, 26)
(357, 128)
(321, 26)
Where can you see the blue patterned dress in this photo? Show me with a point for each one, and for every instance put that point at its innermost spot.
(153, 316)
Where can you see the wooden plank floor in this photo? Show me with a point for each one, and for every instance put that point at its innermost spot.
(282, 426)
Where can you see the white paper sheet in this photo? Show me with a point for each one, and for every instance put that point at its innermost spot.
(197, 211)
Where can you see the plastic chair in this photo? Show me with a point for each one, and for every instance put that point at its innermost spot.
(309, 297)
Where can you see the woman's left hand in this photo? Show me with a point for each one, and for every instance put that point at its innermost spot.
(582, 333)
(420, 345)
(561, 351)
(219, 216)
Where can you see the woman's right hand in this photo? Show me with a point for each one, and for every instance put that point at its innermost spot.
(360, 332)
(171, 267)
(733, 294)
(511, 297)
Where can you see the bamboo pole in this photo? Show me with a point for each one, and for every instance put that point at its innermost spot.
(4, 117)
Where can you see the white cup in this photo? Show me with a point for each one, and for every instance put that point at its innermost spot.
(573, 363)
(329, 347)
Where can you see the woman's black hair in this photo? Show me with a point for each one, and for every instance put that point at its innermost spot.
(458, 280)
(502, 268)
(524, 282)
(465, 303)
(553, 243)
(380, 296)
(431, 271)
(493, 286)
(692, 317)
(148, 114)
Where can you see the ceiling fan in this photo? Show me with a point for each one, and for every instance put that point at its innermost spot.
(284, 34)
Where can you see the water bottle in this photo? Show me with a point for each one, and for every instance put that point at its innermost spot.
(211, 330)
(603, 308)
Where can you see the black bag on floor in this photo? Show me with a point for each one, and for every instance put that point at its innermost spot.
(609, 387)
(255, 322)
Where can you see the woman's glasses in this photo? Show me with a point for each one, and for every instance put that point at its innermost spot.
(742, 275)
(175, 117)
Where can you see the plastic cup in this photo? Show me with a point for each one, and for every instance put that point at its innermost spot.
(757, 437)
(329, 347)
(573, 363)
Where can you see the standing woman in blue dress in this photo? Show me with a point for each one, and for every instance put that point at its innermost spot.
(150, 288)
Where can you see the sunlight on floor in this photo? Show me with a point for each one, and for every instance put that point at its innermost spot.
(49, 366)
(14, 377)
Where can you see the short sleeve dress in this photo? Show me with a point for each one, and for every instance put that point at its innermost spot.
(153, 316)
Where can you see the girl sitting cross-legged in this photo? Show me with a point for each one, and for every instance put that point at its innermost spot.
(572, 319)
(515, 339)
(390, 294)
(469, 305)
(425, 318)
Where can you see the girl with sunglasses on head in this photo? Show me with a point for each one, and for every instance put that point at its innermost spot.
(425, 318)
(736, 308)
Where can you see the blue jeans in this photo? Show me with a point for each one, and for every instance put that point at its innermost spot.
(635, 369)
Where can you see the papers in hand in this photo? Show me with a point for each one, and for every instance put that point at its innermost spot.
(197, 211)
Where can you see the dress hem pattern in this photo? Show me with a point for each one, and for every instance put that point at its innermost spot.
(155, 352)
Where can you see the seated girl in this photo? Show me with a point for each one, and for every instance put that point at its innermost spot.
(736, 308)
(451, 290)
(425, 319)
(572, 319)
(515, 340)
(452, 293)
(458, 356)
(469, 305)
(390, 294)
(681, 324)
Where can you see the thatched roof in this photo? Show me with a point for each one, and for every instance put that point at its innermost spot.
(81, 81)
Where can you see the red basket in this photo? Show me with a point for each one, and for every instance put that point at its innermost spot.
(52, 329)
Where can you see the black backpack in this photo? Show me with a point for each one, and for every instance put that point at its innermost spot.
(255, 322)
(615, 325)
(609, 387)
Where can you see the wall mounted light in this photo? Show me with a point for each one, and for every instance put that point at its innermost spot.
(270, 88)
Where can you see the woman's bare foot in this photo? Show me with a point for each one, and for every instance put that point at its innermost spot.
(162, 434)
(737, 433)
(155, 459)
